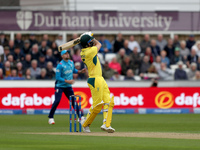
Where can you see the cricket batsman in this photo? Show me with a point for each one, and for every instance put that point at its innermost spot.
(97, 84)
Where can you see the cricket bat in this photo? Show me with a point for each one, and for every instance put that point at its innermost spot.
(72, 43)
(69, 44)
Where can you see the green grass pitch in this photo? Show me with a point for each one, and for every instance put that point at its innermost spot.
(14, 127)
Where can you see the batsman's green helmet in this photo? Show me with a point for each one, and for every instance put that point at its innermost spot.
(86, 39)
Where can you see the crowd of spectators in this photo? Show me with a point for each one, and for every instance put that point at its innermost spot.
(159, 58)
(121, 59)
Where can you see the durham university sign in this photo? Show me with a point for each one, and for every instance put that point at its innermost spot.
(99, 21)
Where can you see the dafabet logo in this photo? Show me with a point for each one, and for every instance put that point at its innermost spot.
(84, 98)
(164, 100)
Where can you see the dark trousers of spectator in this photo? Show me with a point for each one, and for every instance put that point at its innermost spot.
(58, 95)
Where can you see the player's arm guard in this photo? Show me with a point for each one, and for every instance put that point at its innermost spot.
(110, 108)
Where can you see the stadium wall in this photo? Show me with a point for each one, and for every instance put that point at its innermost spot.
(118, 5)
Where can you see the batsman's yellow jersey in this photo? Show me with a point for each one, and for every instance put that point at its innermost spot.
(89, 57)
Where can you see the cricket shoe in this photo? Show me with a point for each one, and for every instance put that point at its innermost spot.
(107, 129)
(85, 129)
(51, 121)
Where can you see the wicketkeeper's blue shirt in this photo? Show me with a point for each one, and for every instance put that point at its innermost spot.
(64, 71)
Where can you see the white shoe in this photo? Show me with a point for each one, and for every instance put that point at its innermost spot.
(51, 121)
(107, 129)
(85, 129)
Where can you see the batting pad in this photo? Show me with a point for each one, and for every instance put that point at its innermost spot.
(92, 115)
(110, 108)
(105, 112)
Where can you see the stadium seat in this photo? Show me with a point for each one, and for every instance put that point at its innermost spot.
(101, 59)
(137, 78)
(187, 70)
(109, 57)
(174, 67)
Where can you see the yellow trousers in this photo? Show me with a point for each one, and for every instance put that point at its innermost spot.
(100, 94)
(99, 90)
